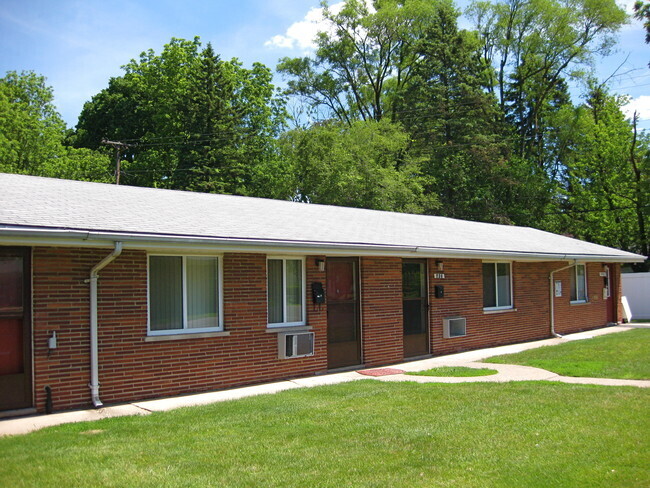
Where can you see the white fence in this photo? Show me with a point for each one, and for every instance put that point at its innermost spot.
(636, 287)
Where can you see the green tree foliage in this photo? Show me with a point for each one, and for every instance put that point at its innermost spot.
(458, 129)
(362, 65)
(408, 61)
(197, 122)
(642, 13)
(32, 133)
(535, 46)
(364, 164)
(606, 184)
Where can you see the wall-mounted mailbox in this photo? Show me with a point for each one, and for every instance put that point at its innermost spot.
(317, 293)
(439, 291)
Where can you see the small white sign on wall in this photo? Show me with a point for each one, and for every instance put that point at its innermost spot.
(558, 288)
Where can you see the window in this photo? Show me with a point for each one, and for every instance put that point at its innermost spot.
(497, 286)
(286, 289)
(184, 294)
(578, 284)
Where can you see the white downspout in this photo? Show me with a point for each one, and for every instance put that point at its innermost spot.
(94, 355)
(552, 288)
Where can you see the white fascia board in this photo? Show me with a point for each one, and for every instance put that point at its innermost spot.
(78, 238)
(625, 257)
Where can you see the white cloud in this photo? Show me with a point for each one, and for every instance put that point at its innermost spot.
(302, 34)
(641, 105)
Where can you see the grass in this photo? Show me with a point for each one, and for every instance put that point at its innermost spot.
(624, 355)
(360, 434)
(454, 371)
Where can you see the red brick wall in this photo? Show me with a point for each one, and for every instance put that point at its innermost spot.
(530, 318)
(131, 368)
(60, 303)
(580, 316)
(617, 291)
(381, 310)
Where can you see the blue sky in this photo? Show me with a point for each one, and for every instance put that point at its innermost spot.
(79, 44)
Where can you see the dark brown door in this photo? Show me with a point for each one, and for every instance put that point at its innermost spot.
(15, 329)
(414, 296)
(343, 332)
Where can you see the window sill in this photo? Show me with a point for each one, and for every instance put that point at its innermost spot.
(185, 335)
(291, 328)
(487, 311)
(580, 302)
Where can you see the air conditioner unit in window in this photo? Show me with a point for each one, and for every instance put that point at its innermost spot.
(295, 344)
(454, 327)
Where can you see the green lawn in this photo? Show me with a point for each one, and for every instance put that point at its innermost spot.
(454, 371)
(624, 355)
(360, 434)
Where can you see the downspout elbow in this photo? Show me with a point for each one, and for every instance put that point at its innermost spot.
(94, 349)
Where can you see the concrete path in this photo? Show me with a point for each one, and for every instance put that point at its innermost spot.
(510, 372)
(470, 359)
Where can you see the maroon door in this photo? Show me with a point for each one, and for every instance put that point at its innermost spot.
(343, 332)
(15, 329)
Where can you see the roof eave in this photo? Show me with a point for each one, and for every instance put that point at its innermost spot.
(12, 235)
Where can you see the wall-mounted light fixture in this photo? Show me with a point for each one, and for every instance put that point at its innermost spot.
(440, 265)
(51, 341)
(321, 264)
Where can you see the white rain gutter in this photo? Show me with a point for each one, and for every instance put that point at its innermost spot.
(94, 354)
(26, 236)
(552, 289)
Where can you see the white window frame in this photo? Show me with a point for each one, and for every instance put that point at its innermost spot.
(496, 286)
(185, 329)
(284, 260)
(574, 270)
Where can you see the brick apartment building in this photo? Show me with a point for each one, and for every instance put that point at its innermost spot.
(112, 294)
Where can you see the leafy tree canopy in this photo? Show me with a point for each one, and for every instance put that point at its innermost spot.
(32, 133)
(196, 122)
(365, 164)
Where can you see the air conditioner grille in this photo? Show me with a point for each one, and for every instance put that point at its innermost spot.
(454, 327)
(295, 345)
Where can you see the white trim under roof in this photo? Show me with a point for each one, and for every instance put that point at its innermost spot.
(10, 235)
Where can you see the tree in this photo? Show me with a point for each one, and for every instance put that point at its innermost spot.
(459, 131)
(362, 65)
(607, 180)
(364, 165)
(642, 13)
(200, 123)
(32, 133)
(31, 130)
(537, 44)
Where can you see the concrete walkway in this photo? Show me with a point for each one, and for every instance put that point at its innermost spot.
(506, 372)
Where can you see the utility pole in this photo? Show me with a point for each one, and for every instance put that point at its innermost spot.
(119, 147)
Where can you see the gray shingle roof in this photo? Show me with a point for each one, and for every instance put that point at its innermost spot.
(54, 206)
